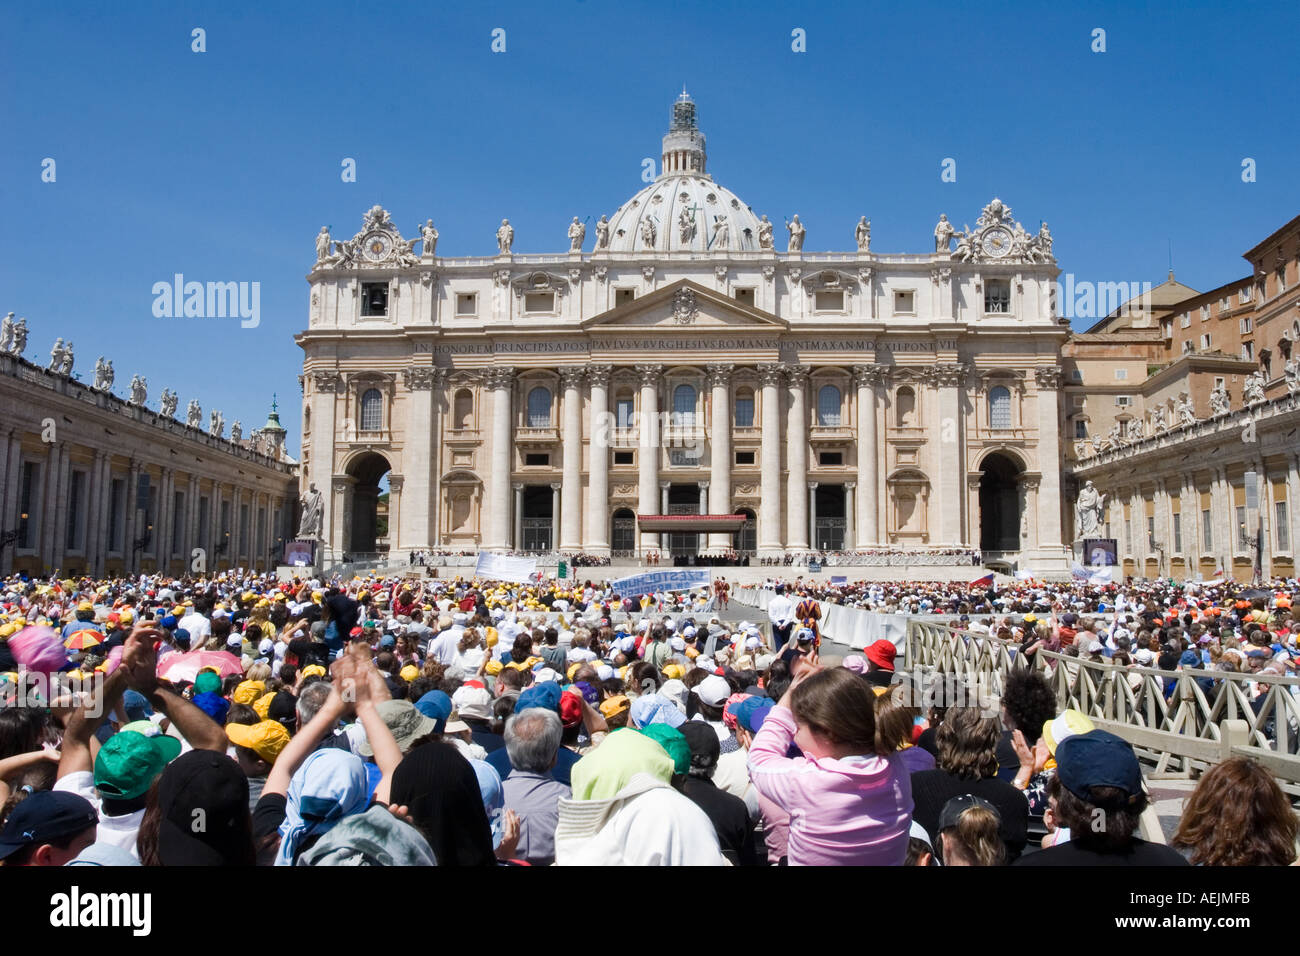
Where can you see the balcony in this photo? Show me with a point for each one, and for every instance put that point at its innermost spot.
(838, 434)
(533, 436)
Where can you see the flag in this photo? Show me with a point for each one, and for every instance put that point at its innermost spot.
(984, 582)
(1024, 575)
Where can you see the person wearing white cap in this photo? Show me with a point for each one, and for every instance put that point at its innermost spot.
(712, 694)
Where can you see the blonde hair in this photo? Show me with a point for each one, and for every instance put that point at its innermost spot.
(974, 839)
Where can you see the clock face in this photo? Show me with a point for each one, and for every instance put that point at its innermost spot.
(377, 246)
(996, 243)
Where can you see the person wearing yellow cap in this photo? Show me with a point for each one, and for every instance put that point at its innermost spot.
(256, 748)
(248, 692)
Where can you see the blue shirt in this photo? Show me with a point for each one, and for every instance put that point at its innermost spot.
(564, 761)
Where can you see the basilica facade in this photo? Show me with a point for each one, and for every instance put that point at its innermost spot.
(687, 378)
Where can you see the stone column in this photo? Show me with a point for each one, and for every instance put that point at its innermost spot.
(189, 540)
(62, 491)
(812, 516)
(500, 380)
(517, 540)
(556, 513)
(1049, 380)
(569, 532)
(396, 509)
(131, 532)
(326, 386)
(648, 460)
(1030, 531)
(797, 459)
(1225, 531)
(720, 457)
(1293, 503)
(947, 379)
(602, 431)
(663, 510)
(423, 388)
(770, 541)
(850, 525)
(871, 469)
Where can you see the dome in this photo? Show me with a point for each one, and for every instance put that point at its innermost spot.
(684, 210)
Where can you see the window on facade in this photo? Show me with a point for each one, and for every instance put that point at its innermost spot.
(1151, 533)
(1080, 428)
(1000, 407)
(1205, 312)
(539, 302)
(997, 295)
(1128, 536)
(905, 303)
(76, 499)
(372, 410)
(828, 406)
(1225, 304)
(537, 459)
(1241, 526)
(1185, 320)
(688, 457)
(1243, 296)
(539, 408)
(745, 296)
(1188, 346)
(623, 458)
(684, 405)
(744, 458)
(1178, 534)
(1167, 328)
(1281, 527)
(463, 408)
(1076, 375)
(466, 304)
(829, 300)
(1248, 351)
(1281, 279)
(831, 458)
(1246, 324)
(624, 410)
(905, 407)
(374, 298)
(624, 296)
(745, 409)
(1206, 342)
(1207, 535)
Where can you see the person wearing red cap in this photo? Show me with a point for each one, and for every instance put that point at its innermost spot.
(880, 658)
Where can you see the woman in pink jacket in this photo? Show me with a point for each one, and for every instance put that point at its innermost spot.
(849, 804)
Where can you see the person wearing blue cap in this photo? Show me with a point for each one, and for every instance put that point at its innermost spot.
(49, 828)
(1098, 793)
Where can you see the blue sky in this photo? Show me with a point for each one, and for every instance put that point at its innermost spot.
(223, 165)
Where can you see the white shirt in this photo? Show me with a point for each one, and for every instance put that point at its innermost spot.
(781, 610)
(120, 831)
(198, 626)
(443, 647)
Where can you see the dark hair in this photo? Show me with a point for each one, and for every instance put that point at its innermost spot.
(1105, 822)
(894, 723)
(778, 679)
(502, 708)
(522, 649)
(915, 848)
(639, 673)
(242, 714)
(512, 678)
(967, 742)
(839, 705)
(1030, 703)
(21, 730)
(1238, 816)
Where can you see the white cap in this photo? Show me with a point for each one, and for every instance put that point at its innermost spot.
(713, 690)
(677, 643)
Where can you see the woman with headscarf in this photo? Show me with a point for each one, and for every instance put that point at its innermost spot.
(441, 793)
(624, 811)
(329, 786)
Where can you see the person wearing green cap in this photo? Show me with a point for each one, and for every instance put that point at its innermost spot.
(674, 742)
(117, 780)
(207, 682)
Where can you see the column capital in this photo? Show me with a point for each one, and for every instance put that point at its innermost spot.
(517, 485)
(1049, 376)
(947, 374)
(797, 374)
(850, 485)
(865, 376)
(599, 375)
(395, 482)
(500, 376)
(720, 374)
(769, 374)
(571, 375)
(704, 485)
(650, 374)
(812, 486)
(665, 485)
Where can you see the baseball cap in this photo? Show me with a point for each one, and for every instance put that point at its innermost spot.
(211, 782)
(406, 722)
(47, 816)
(674, 742)
(954, 808)
(751, 712)
(435, 705)
(570, 708)
(129, 761)
(207, 682)
(615, 705)
(545, 695)
(1098, 759)
(473, 702)
(713, 690)
(266, 738)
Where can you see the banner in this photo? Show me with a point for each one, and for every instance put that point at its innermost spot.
(503, 567)
(649, 582)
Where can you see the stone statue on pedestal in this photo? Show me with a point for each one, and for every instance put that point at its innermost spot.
(1253, 388)
(1089, 509)
(7, 333)
(943, 233)
(237, 431)
(1218, 401)
(103, 374)
(313, 510)
(429, 235)
(1186, 411)
(505, 237)
(19, 344)
(139, 390)
(168, 403)
(797, 232)
(323, 244)
(602, 233)
(1291, 371)
(765, 240)
(577, 233)
(193, 413)
(863, 234)
(216, 423)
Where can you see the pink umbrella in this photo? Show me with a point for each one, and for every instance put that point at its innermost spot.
(185, 667)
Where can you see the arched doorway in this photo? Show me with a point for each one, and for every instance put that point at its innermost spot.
(747, 538)
(1000, 504)
(623, 533)
(368, 528)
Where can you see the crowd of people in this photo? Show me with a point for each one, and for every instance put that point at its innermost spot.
(464, 722)
(860, 556)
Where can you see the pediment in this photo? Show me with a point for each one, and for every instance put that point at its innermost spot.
(685, 306)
